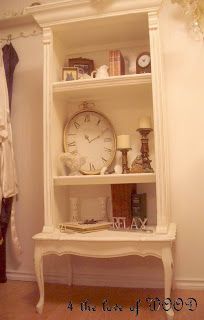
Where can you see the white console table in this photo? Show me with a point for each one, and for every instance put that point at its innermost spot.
(105, 244)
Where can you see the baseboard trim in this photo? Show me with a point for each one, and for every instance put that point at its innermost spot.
(107, 280)
(26, 276)
(88, 280)
(21, 276)
(114, 281)
(191, 284)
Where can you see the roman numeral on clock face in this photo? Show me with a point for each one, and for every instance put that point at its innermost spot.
(92, 168)
(107, 140)
(77, 125)
(108, 150)
(74, 152)
(87, 118)
(104, 160)
(72, 144)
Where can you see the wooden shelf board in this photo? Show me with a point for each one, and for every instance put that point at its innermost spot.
(116, 81)
(112, 87)
(110, 236)
(104, 179)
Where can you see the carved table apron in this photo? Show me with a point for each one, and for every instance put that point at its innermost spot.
(105, 244)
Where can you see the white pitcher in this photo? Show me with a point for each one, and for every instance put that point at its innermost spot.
(101, 72)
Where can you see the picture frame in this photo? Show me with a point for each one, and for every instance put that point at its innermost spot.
(84, 65)
(69, 73)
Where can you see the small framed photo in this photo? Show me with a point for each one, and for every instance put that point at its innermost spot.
(69, 73)
(84, 65)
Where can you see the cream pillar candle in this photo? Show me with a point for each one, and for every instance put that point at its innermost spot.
(123, 142)
(145, 122)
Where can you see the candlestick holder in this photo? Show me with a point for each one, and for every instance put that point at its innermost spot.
(142, 163)
(124, 151)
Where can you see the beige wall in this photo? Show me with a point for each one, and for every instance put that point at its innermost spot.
(184, 76)
(184, 65)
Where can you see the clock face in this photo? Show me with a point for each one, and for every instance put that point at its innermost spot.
(90, 135)
(144, 60)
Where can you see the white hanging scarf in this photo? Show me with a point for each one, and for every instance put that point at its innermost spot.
(7, 164)
(4, 103)
(8, 181)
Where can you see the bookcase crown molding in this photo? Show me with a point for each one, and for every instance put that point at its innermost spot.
(75, 10)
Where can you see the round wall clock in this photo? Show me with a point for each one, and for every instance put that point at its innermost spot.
(143, 63)
(89, 134)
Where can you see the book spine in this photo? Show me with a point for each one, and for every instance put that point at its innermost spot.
(121, 200)
(139, 205)
(122, 64)
(111, 63)
(119, 63)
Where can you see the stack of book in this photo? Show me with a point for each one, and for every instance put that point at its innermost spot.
(84, 226)
(126, 202)
(139, 205)
(116, 63)
(121, 201)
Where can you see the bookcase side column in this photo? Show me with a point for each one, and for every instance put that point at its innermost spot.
(160, 127)
(47, 103)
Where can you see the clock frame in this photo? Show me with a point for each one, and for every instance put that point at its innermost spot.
(140, 69)
(70, 146)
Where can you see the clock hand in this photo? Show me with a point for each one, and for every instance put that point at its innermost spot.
(87, 137)
(94, 139)
(103, 131)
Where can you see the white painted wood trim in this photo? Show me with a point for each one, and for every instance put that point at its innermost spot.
(107, 236)
(47, 103)
(75, 10)
(73, 3)
(160, 130)
(116, 81)
(141, 44)
(91, 279)
(104, 179)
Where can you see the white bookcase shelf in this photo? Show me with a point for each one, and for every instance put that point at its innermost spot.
(93, 88)
(104, 179)
(92, 83)
(90, 29)
(110, 235)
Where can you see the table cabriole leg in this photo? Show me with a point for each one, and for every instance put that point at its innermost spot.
(38, 261)
(168, 273)
(70, 274)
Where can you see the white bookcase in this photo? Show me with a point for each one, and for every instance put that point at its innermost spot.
(89, 28)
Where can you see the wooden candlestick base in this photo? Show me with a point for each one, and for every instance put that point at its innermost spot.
(125, 168)
(142, 163)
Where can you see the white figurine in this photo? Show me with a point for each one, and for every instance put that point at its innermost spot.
(72, 162)
(84, 76)
(118, 169)
(103, 170)
(118, 166)
(103, 207)
(74, 209)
